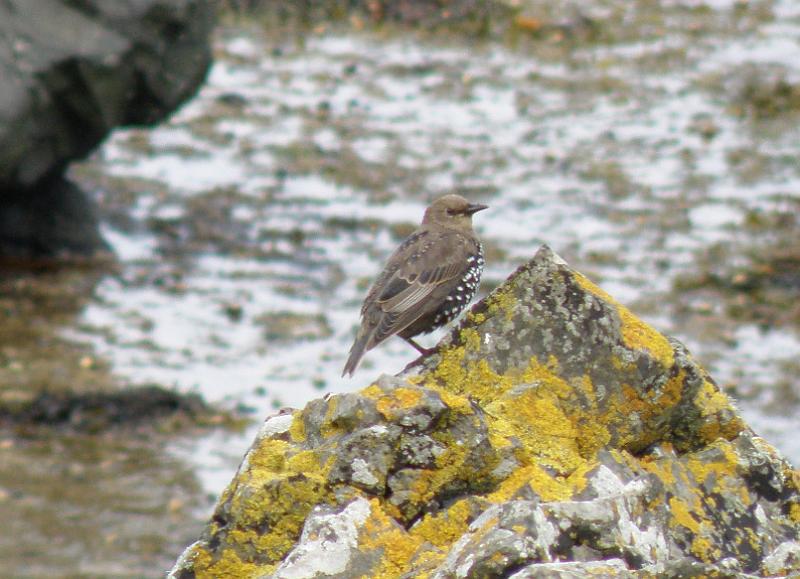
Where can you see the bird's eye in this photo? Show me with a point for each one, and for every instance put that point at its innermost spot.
(452, 211)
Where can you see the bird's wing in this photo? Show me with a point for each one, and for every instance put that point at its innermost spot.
(420, 240)
(429, 264)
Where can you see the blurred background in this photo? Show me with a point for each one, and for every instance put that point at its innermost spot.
(653, 145)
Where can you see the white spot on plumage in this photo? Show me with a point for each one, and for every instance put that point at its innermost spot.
(463, 293)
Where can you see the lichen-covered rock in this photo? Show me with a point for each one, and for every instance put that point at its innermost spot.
(554, 434)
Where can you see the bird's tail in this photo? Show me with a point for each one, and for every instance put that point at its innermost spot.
(356, 352)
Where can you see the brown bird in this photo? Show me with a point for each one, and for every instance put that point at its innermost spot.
(427, 281)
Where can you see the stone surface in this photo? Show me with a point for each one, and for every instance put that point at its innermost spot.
(53, 219)
(554, 434)
(72, 71)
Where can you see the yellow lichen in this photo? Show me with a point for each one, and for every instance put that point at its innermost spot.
(475, 319)
(704, 550)
(228, 565)
(284, 503)
(682, 515)
(794, 512)
(546, 374)
(536, 420)
(269, 455)
(620, 364)
(663, 469)
(545, 418)
(306, 461)
(282, 487)
(753, 539)
(716, 472)
(455, 402)
(577, 480)
(329, 428)
(471, 339)
(626, 458)
(588, 428)
(399, 399)
(636, 334)
(587, 389)
(442, 529)
(380, 532)
(671, 393)
(547, 486)
(647, 408)
(553, 365)
(474, 378)
(297, 431)
(744, 495)
(703, 469)
(592, 426)
(719, 418)
(415, 380)
(372, 391)
(452, 464)
(449, 372)
(592, 437)
(502, 301)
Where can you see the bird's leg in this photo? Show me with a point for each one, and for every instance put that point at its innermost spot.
(420, 349)
(424, 351)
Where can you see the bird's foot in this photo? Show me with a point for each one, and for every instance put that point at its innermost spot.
(424, 351)
(413, 364)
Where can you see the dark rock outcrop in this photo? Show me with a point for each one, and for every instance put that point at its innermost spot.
(554, 434)
(71, 72)
(100, 411)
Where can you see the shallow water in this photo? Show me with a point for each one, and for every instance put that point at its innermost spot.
(250, 224)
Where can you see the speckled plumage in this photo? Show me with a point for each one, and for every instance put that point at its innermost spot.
(427, 282)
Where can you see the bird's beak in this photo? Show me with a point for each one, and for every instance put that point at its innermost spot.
(475, 207)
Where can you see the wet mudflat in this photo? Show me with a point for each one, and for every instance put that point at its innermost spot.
(654, 147)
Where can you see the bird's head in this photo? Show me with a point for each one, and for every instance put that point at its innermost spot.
(452, 211)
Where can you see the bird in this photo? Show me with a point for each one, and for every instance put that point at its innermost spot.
(426, 283)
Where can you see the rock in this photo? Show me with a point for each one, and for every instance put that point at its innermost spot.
(54, 219)
(73, 71)
(554, 434)
(100, 411)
